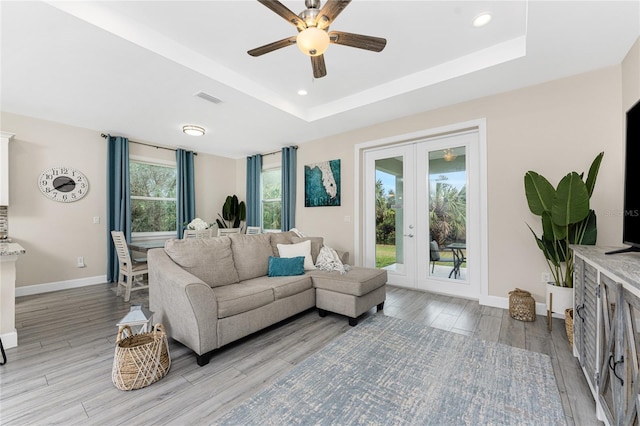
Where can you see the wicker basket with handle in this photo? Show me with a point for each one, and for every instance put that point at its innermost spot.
(140, 359)
(522, 306)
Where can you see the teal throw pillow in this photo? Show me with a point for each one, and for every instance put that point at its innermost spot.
(286, 266)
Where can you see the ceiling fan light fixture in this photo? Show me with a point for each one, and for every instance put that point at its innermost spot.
(192, 130)
(313, 41)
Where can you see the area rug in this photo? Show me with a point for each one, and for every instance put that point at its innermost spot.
(388, 371)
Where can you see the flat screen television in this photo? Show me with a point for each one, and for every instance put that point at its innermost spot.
(631, 219)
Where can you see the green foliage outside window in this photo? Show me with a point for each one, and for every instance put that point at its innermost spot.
(448, 213)
(153, 197)
(385, 215)
(271, 198)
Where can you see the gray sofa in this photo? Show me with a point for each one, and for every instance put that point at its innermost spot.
(212, 291)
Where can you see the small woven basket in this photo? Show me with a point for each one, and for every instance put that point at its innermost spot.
(568, 323)
(522, 306)
(140, 359)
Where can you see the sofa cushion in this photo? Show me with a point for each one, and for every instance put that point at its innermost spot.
(235, 299)
(286, 266)
(316, 245)
(283, 287)
(357, 282)
(251, 254)
(281, 238)
(299, 249)
(209, 259)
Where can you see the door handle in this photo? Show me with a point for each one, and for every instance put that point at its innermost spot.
(408, 235)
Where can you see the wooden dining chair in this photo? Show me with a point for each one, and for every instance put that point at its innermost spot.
(226, 231)
(131, 272)
(251, 230)
(197, 233)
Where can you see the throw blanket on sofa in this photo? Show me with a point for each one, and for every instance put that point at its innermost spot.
(328, 260)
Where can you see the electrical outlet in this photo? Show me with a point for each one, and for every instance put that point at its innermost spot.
(96, 219)
(545, 277)
(81, 262)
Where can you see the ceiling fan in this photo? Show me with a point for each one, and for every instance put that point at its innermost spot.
(313, 36)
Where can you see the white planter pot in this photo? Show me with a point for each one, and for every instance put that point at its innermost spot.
(562, 299)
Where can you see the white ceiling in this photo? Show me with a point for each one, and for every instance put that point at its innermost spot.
(132, 68)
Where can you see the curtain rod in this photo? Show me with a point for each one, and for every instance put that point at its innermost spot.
(277, 152)
(148, 144)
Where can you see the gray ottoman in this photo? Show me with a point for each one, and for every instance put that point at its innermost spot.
(350, 294)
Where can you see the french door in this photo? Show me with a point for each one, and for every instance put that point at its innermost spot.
(421, 213)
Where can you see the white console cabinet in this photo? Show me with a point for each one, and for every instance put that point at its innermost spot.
(5, 137)
(606, 302)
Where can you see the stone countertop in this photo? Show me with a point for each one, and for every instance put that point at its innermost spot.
(623, 265)
(11, 249)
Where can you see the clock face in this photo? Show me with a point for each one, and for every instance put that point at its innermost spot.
(63, 184)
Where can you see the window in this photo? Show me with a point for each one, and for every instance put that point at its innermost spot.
(153, 197)
(271, 198)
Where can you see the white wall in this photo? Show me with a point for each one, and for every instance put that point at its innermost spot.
(55, 234)
(552, 128)
(631, 77)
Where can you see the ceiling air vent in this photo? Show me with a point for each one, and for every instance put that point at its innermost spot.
(208, 97)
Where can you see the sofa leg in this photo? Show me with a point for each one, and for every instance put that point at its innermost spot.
(380, 307)
(353, 321)
(322, 312)
(203, 359)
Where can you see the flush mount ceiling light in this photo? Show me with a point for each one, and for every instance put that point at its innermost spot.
(482, 19)
(192, 130)
(302, 92)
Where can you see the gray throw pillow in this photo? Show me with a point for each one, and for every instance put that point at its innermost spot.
(316, 245)
(281, 238)
(251, 254)
(209, 259)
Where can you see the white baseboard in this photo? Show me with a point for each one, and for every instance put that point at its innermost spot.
(59, 285)
(503, 302)
(10, 339)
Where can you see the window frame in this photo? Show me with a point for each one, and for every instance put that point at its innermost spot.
(157, 235)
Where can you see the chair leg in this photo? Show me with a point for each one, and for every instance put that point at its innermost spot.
(127, 291)
(120, 284)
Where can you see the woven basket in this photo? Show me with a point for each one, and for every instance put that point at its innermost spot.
(140, 359)
(568, 323)
(522, 306)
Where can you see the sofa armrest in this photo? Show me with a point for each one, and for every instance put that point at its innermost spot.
(183, 303)
(344, 257)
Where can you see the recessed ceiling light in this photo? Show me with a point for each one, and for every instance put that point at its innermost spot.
(482, 19)
(192, 130)
(302, 92)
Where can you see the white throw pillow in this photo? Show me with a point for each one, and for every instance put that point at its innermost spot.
(299, 249)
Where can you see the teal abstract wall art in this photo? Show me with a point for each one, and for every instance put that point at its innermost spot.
(322, 184)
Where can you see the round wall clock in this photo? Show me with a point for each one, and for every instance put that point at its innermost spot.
(63, 184)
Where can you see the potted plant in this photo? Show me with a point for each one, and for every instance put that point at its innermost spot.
(233, 213)
(566, 219)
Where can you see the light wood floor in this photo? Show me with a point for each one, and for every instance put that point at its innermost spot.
(61, 371)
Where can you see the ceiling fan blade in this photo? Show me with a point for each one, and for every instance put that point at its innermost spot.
(258, 51)
(319, 69)
(330, 12)
(285, 13)
(375, 44)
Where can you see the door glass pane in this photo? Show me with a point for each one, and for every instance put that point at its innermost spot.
(389, 214)
(447, 192)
